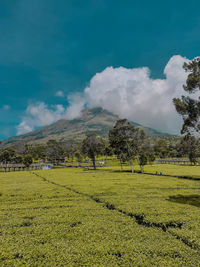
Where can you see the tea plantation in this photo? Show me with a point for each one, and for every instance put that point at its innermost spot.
(79, 217)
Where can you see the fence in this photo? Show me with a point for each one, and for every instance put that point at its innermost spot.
(21, 167)
(176, 161)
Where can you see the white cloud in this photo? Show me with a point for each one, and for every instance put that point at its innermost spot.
(40, 114)
(132, 94)
(24, 127)
(129, 93)
(59, 93)
(76, 104)
(6, 107)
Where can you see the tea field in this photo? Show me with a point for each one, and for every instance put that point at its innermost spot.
(80, 217)
(173, 170)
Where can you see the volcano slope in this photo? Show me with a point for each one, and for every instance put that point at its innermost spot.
(94, 120)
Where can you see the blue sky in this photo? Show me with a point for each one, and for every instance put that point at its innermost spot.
(48, 46)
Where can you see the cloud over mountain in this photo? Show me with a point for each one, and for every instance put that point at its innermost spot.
(133, 94)
(39, 114)
(129, 93)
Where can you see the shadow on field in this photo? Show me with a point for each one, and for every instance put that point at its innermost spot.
(193, 177)
(193, 200)
(108, 170)
(139, 218)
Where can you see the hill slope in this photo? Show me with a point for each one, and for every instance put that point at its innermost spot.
(95, 120)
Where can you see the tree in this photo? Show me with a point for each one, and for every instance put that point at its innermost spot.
(142, 160)
(17, 159)
(70, 148)
(7, 155)
(91, 146)
(36, 151)
(161, 148)
(78, 155)
(122, 158)
(21, 147)
(107, 151)
(188, 107)
(27, 160)
(145, 153)
(54, 152)
(190, 146)
(125, 139)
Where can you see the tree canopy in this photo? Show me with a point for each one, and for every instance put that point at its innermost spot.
(127, 140)
(187, 107)
(92, 145)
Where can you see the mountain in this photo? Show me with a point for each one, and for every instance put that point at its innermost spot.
(95, 120)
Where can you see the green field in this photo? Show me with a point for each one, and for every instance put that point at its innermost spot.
(173, 170)
(78, 217)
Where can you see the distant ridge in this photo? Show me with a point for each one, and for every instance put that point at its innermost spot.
(94, 120)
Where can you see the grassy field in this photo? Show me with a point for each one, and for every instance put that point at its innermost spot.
(173, 170)
(78, 217)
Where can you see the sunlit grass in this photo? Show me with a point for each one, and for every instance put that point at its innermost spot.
(79, 217)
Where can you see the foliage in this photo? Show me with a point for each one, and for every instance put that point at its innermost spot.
(126, 139)
(190, 146)
(188, 107)
(92, 145)
(54, 152)
(142, 160)
(18, 159)
(78, 156)
(151, 157)
(6, 155)
(37, 151)
(161, 148)
(27, 160)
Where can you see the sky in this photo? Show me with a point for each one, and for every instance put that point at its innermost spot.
(59, 56)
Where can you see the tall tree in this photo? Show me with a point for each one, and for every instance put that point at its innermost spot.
(190, 147)
(27, 160)
(91, 146)
(36, 151)
(161, 148)
(187, 107)
(126, 139)
(18, 159)
(142, 160)
(6, 155)
(78, 155)
(54, 152)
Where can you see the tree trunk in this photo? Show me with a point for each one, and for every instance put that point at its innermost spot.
(94, 162)
(132, 170)
(141, 169)
(121, 163)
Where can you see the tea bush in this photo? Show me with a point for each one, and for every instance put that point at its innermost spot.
(78, 217)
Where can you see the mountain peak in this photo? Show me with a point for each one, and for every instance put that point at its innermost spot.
(91, 120)
(96, 111)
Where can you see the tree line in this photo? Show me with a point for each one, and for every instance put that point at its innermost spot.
(126, 142)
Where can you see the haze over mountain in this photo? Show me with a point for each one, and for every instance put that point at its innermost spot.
(95, 120)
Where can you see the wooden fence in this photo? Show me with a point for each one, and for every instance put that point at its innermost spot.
(21, 167)
(176, 161)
